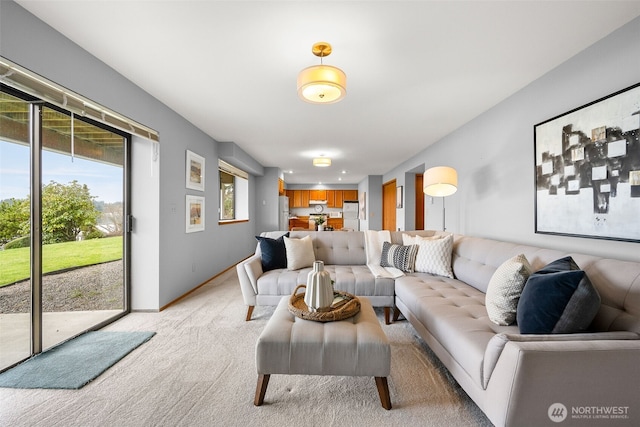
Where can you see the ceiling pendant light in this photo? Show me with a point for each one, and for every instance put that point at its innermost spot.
(322, 162)
(322, 84)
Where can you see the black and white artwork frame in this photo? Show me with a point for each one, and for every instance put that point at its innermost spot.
(587, 170)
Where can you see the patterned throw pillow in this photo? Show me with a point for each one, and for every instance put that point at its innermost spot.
(399, 256)
(504, 289)
(434, 256)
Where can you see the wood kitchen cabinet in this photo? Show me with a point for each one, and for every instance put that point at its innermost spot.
(331, 198)
(336, 223)
(298, 198)
(280, 187)
(300, 222)
(351, 195)
(318, 194)
(335, 198)
(304, 198)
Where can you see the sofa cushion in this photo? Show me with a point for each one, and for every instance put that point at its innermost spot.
(434, 254)
(355, 279)
(399, 256)
(299, 252)
(454, 315)
(273, 252)
(557, 299)
(504, 289)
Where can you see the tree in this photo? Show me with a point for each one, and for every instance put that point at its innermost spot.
(14, 214)
(66, 211)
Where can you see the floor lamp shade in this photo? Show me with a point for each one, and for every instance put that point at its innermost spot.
(440, 181)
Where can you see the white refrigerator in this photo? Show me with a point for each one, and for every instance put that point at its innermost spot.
(350, 215)
(283, 213)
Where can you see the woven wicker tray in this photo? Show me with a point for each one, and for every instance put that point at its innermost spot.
(348, 307)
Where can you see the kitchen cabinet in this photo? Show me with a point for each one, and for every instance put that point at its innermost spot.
(280, 187)
(304, 198)
(351, 195)
(298, 198)
(300, 222)
(338, 198)
(331, 198)
(318, 194)
(336, 223)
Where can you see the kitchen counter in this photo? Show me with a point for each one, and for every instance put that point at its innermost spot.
(303, 222)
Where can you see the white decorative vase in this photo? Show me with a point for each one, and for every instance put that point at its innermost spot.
(320, 227)
(319, 293)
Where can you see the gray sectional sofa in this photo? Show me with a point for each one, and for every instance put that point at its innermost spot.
(343, 253)
(587, 378)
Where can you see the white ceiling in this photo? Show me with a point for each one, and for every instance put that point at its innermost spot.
(416, 70)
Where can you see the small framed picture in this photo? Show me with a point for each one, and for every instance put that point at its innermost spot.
(195, 171)
(399, 197)
(194, 214)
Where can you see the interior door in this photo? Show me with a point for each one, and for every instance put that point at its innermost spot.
(419, 202)
(389, 205)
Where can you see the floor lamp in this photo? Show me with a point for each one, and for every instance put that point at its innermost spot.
(441, 181)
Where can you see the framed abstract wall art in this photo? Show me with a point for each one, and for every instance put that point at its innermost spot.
(195, 171)
(194, 214)
(587, 170)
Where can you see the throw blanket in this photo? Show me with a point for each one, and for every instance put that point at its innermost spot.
(373, 247)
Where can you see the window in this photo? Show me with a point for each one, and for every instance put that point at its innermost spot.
(234, 193)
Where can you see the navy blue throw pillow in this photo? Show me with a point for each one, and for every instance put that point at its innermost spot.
(273, 252)
(557, 299)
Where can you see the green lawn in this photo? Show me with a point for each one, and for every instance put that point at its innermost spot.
(14, 263)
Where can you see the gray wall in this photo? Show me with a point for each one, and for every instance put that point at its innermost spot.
(494, 154)
(266, 217)
(167, 261)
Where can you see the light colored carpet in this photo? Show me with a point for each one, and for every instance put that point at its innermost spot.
(199, 370)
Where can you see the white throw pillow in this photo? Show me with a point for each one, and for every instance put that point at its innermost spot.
(434, 255)
(299, 253)
(504, 289)
(408, 239)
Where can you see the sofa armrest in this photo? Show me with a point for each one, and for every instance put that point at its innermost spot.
(530, 376)
(499, 341)
(248, 272)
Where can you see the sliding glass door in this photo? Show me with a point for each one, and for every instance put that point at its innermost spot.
(64, 193)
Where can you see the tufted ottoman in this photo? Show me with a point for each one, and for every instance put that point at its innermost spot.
(352, 347)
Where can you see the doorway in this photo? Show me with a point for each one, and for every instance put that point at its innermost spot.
(419, 202)
(389, 205)
(63, 203)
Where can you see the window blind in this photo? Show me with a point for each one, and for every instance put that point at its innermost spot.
(232, 170)
(20, 78)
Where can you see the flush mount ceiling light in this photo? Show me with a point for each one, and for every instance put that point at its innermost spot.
(322, 84)
(322, 162)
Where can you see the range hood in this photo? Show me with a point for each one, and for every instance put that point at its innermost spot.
(317, 202)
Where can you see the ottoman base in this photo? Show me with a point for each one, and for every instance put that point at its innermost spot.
(381, 383)
(356, 346)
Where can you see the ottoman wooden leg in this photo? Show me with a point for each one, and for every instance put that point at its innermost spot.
(383, 391)
(261, 388)
(387, 315)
